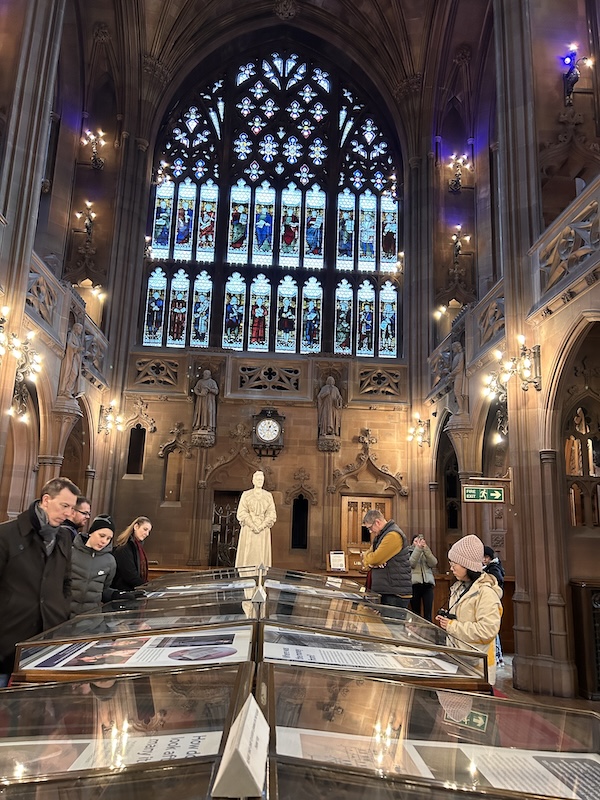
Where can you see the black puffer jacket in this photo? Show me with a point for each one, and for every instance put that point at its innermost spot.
(92, 572)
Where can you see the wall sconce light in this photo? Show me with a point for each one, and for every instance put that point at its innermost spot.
(400, 263)
(160, 174)
(419, 431)
(457, 243)
(440, 311)
(88, 219)
(572, 75)
(526, 366)
(29, 364)
(457, 164)
(95, 139)
(109, 418)
(529, 365)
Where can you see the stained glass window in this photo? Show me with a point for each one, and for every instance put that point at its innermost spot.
(155, 307)
(276, 163)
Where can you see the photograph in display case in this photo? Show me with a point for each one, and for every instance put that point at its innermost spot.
(216, 646)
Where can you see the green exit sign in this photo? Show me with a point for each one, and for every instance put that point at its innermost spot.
(483, 494)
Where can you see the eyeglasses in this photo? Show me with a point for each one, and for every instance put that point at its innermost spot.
(83, 513)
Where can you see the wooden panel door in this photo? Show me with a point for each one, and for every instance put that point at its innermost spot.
(355, 538)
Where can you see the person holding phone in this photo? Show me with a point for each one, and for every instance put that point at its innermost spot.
(422, 561)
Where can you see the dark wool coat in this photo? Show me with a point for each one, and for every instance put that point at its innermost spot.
(35, 590)
(93, 572)
(128, 567)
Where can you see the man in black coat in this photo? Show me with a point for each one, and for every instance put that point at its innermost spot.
(35, 570)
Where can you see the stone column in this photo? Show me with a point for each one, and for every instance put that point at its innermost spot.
(21, 170)
(519, 226)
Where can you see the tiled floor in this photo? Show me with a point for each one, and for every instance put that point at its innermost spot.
(504, 684)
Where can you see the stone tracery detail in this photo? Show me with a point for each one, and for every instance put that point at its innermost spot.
(157, 371)
(282, 379)
(141, 416)
(285, 9)
(41, 297)
(301, 487)
(383, 382)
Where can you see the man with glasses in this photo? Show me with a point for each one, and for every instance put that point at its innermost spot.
(388, 560)
(79, 517)
(35, 569)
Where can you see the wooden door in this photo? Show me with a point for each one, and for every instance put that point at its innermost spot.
(355, 538)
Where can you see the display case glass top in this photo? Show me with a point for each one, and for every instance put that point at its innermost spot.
(117, 724)
(445, 739)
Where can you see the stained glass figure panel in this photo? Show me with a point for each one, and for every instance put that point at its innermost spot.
(389, 233)
(388, 305)
(365, 344)
(234, 312)
(178, 309)
(184, 227)
(163, 214)
(201, 309)
(345, 231)
(312, 301)
(238, 224)
(367, 231)
(259, 320)
(262, 249)
(155, 308)
(314, 215)
(289, 248)
(344, 308)
(287, 315)
(209, 203)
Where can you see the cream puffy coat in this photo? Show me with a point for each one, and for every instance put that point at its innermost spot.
(478, 615)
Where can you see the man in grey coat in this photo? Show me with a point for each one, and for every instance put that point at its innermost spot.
(35, 569)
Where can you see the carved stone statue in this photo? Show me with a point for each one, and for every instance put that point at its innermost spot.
(329, 408)
(460, 384)
(205, 411)
(71, 364)
(256, 515)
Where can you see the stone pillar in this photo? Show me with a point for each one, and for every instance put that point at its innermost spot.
(519, 226)
(25, 144)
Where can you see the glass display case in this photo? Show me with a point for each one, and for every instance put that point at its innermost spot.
(353, 729)
(140, 651)
(115, 724)
(284, 643)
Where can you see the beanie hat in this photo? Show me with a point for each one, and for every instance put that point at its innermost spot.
(468, 552)
(102, 521)
(489, 551)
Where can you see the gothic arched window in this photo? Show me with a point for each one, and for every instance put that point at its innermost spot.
(274, 216)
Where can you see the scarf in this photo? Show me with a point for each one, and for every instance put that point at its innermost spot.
(46, 531)
(143, 560)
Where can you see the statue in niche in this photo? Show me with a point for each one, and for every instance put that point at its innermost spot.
(205, 411)
(329, 409)
(71, 364)
(256, 515)
(458, 377)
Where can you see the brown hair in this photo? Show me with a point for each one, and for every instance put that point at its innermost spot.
(125, 535)
(54, 487)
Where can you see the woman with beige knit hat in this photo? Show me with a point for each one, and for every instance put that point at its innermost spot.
(474, 611)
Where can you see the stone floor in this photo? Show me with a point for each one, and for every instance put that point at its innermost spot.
(504, 684)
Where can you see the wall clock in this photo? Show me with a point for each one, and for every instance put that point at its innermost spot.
(267, 433)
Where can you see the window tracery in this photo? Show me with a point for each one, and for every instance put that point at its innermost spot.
(302, 168)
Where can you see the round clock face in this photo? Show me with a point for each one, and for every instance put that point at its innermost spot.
(268, 430)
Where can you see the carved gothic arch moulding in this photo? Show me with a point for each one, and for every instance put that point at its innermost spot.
(569, 374)
(237, 465)
(301, 487)
(364, 470)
